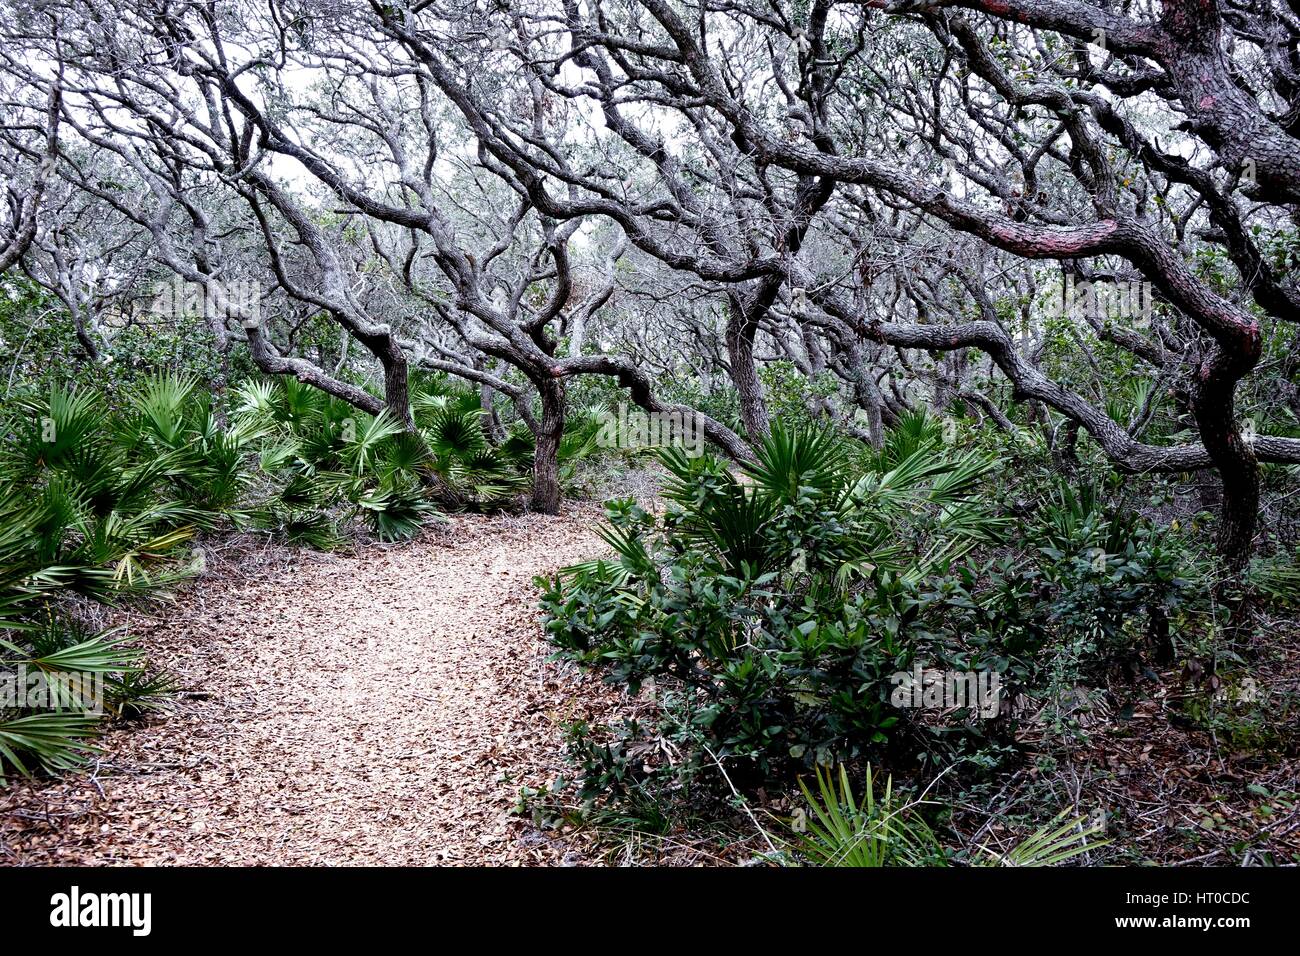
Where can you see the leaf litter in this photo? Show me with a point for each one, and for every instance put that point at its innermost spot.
(380, 707)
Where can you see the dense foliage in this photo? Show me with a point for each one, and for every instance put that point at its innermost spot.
(107, 493)
(771, 609)
(986, 311)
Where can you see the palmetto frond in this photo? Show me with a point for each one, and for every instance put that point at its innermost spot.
(396, 509)
(792, 462)
(454, 434)
(161, 408)
(914, 431)
(46, 431)
(363, 450)
(878, 830)
(51, 741)
(99, 654)
(256, 399)
(1062, 839)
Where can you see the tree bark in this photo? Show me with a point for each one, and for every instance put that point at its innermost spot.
(1233, 456)
(546, 457)
(744, 372)
(491, 421)
(397, 386)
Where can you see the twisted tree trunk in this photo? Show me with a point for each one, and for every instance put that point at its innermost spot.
(741, 331)
(1233, 456)
(546, 457)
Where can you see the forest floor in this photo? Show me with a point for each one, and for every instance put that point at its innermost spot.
(388, 705)
(381, 707)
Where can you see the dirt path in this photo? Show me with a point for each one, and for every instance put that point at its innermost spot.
(374, 709)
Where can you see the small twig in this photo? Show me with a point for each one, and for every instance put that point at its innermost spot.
(744, 804)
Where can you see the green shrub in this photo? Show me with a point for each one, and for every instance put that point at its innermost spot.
(323, 462)
(1112, 577)
(99, 501)
(770, 608)
(773, 607)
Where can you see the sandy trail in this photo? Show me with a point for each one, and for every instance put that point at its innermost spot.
(382, 708)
